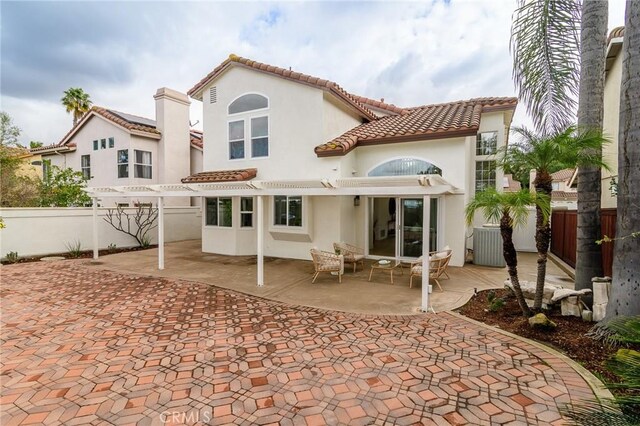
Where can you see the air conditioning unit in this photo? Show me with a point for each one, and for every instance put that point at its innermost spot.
(487, 247)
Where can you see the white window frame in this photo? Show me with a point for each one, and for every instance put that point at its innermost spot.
(87, 168)
(244, 139)
(247, 212)
(251, 138)
(478, 140)
(475, 174)
(118, 164)
(302, 212)
(135, 164)
(253, 110)
(103, 143)
(217, 203)
(111, 142)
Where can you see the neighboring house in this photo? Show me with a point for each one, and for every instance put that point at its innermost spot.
(509, 184)
(611, 119)
(30, 163)
(274, 125)
(564, 187)
(112, 148)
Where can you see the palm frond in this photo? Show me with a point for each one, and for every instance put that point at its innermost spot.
(618, 330)
(600, 413)
(545, 44)
(489, 202)
(626, 365)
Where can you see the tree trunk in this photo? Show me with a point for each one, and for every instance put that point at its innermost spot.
(511, 257)
(542, 183)
(593, 45)
(625, 289)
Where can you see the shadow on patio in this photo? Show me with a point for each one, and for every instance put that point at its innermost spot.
(289, 281)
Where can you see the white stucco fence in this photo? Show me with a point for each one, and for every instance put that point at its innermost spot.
(41, 231)
(524, 235)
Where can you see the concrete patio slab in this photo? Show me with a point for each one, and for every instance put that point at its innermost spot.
(289, 280)
(81, 345)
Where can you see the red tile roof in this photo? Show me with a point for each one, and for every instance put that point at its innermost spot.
(452, 119)
(562, 175)
(197, 138)
(287, 74)
(381, 105)
(512, 184)
(564, 196)
(221, 176)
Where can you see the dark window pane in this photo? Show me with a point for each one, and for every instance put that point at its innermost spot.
(85, 160)
(246, 204)
(95, 145)
(123, 156)
(142, 171)
(224, 211)
(123, 170)
(248, 103)
(112, 142)
(246, 220)
(280, 210)
(103, 143)
(236, 150)
(212, 211)
(295, 211)
(260, 147)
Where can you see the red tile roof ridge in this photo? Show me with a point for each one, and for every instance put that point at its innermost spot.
(287, 74)
(237, 175)
(380, 104)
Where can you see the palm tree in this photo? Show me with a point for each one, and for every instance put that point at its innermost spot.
(545, 47)
(593, 45)
(625, 289)
(510, 210)
(548, 153)
(76, 101)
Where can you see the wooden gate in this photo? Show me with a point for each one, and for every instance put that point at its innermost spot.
(564, 226)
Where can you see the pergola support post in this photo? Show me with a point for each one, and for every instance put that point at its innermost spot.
(426, 227)
(160, 233)
(365, 203)
(260, 239)
(96, 251)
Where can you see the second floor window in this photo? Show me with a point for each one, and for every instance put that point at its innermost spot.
(487, 143)
(123, 163)
(249, 129)
(112, 142)
(142, 164)
(85, 165)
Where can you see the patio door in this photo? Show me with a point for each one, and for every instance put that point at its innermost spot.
(396, 227)
(409, 238)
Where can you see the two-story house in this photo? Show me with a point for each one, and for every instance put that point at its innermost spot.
(330, 166)
(112, 148)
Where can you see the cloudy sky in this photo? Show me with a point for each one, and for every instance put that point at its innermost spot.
(410, 53)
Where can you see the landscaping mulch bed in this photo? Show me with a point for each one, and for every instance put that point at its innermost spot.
(86, 254)
(569, 337)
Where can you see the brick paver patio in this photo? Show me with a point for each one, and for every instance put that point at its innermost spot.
(84, 346)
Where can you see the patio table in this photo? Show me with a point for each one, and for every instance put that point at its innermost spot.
(386, 267)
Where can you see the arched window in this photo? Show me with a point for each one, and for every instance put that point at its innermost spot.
(405, 166)
(248, 102)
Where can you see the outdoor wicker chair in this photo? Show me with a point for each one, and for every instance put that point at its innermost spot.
(352, 254)
(324, 261)
(438, 262)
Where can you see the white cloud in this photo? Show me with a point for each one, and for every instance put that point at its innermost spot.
(409, 53)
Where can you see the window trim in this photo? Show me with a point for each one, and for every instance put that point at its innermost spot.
(244, 140)
(244, 212)
(402, 157)
(111, 142)
(217, 225)
(96, 144)
(248, 148)
(103, 143)
(302, 212)
(251, 111)
(475, 175)
(118, 163)
(478, 139)
(83, 167)
(135, 163)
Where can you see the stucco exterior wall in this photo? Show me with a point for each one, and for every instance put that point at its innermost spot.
(295, 127)
(611, 123)
(41, 231)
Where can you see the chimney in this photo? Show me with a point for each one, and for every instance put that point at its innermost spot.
(172, 121)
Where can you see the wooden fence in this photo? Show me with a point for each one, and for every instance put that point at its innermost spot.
(564, 226)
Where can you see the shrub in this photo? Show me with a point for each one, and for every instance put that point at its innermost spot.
(12, 257)
(74, 249)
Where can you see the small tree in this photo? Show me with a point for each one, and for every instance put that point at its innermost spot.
(136, 224)
(64, 188)
(510, 210)
(9, 133)
(16, 189)
(35, 144)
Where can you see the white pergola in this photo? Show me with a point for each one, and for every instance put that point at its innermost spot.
(425, 186)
